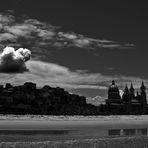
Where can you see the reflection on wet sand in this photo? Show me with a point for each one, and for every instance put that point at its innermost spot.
(34, 132)
(127, 132)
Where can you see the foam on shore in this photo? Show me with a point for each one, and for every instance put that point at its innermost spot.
(73, 118)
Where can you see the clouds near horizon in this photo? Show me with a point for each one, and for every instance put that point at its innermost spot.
(49, 73)
(93, 86)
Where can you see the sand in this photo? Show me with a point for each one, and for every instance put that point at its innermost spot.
(70, 131)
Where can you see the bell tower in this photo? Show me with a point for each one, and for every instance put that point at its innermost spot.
(126, 95)
(132, 92)
(143, 97)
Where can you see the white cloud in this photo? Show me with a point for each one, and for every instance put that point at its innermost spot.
(56, 75)
(6, 19)
(7, 37)
(20, 29)
(14, 61)
(70, 36)
(97, 100)
(44, 34)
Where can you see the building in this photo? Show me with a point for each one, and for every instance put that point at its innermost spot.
(128, 103)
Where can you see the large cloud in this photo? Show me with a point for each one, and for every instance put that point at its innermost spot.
(35, 33)
(56, 75)
(14, 61)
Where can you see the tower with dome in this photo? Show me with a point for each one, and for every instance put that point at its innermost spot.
(129, 103)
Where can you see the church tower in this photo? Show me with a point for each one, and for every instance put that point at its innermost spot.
(132, 92)
(113, 92)
(126, 95)
(143, 97)
(127, 100)
(114, 101)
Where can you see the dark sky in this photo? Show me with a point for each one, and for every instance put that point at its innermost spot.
(124, 21)
(116, 20)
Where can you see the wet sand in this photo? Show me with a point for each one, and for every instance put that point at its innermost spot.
(65, 129)
(72, 132)
(70, 124)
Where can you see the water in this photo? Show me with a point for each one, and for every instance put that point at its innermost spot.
(34, 132)
(41, 130)
(128, 132)
(111, 132)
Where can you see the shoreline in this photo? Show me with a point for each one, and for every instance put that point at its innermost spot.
(73, 118)
(71, 131)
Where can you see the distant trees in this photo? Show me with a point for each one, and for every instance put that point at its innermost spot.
(27, 99)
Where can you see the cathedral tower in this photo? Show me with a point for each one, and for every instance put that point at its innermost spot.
(126, 95)
(143, 97)
(113, 91)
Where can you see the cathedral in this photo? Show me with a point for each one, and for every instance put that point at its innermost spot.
(129, 102)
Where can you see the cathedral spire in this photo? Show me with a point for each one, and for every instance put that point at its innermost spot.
(113, 82)
(132, 88)
(142, 86)
(126, 89)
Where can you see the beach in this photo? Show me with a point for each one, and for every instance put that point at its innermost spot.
(73, 131)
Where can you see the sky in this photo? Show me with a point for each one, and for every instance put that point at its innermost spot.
(80, 46)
